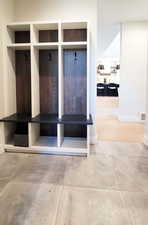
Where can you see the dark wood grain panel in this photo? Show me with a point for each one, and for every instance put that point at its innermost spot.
(48, 69)
(23, 81)
(48, 129)
(75, 81)
(22, 37)
(75, 35)
(75, 131)
(48, 36)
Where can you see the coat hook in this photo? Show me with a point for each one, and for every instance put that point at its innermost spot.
(50, 57)
(76, 56)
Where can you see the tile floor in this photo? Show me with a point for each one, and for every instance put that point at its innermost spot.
(108, 188)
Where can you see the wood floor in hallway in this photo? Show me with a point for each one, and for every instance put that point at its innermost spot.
(110, 128)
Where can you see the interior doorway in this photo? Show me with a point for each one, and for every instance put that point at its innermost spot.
(109, 125)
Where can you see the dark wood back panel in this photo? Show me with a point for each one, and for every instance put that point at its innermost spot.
(22, 37)
(48, 130)
(48, 36)
(23, 81)
(21, 128)
(75, 131)
(75, 81)
(75, 35)
(48, 69)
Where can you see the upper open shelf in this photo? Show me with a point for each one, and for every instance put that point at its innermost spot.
(18, 33)
(74, 32)
(47, 32)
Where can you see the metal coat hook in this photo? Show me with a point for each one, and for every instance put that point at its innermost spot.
(50, 57)
(76, 56)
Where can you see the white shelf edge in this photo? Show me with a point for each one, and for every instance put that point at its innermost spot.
(44, 45)
(69, 45)
(9, 146)
(18, 24)
(46, 150)
(74, 43)
(47, 22)
(19, 46)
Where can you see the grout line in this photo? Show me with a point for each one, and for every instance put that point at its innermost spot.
(61, 194)
(128, 211)
(101, 189)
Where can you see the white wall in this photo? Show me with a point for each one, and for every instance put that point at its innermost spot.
(133, 70)
(6, 16)
(113, 12)
(31, 10)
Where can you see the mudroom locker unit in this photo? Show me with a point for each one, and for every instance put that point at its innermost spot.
(46, 88)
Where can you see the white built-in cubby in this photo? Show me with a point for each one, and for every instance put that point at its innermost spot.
(46, 88)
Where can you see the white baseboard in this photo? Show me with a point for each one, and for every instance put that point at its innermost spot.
(145, 140)
(1, 149)
(133, 118)
(93, 140)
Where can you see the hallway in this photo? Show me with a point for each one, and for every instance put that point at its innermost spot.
(110, 128)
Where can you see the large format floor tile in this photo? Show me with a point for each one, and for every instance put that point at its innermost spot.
(91, 207)
(95, 171)
(137, 205)
(120, 149)
(43, 169)
(108, 188)
(131, 173)
(3, 184)
(29, 204)
(9, 164)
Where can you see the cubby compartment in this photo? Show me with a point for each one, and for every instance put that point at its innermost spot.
(19, 84)
(46, 32)
(9, 131)
(21, 135)
(18, 98)
(74, 32)
(44, 135)
(19, 33)
(16, 134)
(46, 90)
(75, 81)
(74, 136)
(48, 73)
